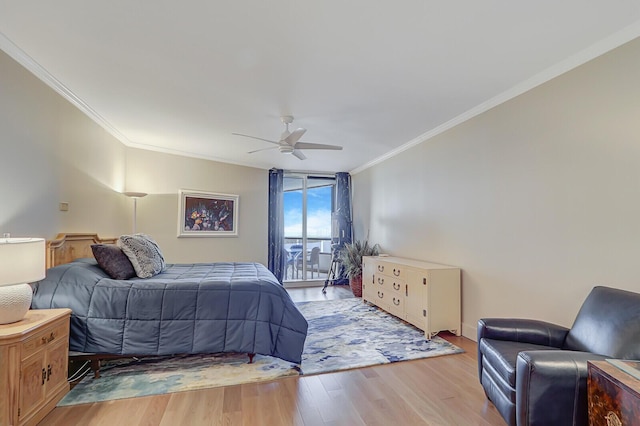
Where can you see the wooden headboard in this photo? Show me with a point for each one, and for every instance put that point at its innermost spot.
(68, 247)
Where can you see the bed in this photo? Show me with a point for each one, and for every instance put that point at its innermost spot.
(185, 309)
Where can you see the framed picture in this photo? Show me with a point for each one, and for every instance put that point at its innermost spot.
(207, 214)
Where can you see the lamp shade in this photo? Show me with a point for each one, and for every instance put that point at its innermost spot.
(22, 260)
(135, 194)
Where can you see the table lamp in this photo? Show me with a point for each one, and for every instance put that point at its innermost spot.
(22, 261)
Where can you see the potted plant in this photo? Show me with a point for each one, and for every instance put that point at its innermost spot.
(351, 259)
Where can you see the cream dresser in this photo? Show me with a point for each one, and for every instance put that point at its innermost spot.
(424, 294)
(33, 365)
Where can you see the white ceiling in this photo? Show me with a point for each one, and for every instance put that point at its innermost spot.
(374, 77)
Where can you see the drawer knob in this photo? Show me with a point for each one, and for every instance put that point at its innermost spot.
(396, 272)
(46, 339)
(396, 286)
(396, 301)
(380, 268)
(380, 281)
(380, 295)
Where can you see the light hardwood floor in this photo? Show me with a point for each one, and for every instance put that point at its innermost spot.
(434, 391)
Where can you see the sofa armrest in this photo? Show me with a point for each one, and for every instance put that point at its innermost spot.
(522, 330)
(551, 387)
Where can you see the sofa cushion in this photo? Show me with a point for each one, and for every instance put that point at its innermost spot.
(494, 384)
(502, 356)
(503, 399)
(607, 324)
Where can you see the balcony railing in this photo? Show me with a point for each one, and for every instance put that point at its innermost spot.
(316, 271)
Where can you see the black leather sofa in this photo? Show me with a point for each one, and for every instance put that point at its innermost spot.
(535, 372)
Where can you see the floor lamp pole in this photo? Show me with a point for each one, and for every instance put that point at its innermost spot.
(135, 213)
(135, 196)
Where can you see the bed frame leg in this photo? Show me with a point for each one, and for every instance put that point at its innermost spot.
(251, 358)
(95, 367)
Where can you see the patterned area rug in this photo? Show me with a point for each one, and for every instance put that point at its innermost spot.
(343, 334)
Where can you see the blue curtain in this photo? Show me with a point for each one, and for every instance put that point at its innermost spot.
(276, 253)
(343, 217)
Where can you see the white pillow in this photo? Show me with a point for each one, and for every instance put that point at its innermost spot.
(144, 254)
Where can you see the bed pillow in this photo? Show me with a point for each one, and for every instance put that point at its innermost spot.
(144, 254)
(113, 261)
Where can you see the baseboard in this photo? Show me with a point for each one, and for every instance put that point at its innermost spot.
(302, 284)
(470, 331)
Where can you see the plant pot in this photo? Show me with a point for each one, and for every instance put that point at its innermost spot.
(356, 285)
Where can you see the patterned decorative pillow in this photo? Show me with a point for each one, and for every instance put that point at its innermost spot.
(144, 254)
(113, 261)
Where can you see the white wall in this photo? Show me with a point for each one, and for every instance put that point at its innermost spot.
(163, 175)
(51, 152)
(537, 200)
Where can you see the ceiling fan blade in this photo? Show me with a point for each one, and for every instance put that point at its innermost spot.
(285, 135)
(299, 154)
(262, 149)
(255, 137)
(294, 136)
(307, 145)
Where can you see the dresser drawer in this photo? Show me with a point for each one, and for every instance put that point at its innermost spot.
(397, 286)
(396, 305)
(391, 283)
(390, 269)
(379, 280)
(380, 297)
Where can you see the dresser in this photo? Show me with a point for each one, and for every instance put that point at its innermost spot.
(424, 294)
(33, 365)
(613, 396)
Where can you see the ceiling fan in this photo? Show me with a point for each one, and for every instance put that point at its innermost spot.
(289, 142)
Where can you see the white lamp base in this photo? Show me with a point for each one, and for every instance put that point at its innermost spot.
(15, 301)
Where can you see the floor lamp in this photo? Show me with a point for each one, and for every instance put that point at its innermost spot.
(135, 196)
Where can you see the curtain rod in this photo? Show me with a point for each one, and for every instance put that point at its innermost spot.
(319, 174)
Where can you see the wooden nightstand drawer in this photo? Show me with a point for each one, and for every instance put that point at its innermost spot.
(48, 336)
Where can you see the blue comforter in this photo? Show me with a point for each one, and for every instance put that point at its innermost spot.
(187, 309)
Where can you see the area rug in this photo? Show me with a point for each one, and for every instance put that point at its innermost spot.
(343, 334)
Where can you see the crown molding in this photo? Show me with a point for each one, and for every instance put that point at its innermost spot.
(597, 49)
(190, 154)
(20, 56)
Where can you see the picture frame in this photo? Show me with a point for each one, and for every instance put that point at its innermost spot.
(207, 214)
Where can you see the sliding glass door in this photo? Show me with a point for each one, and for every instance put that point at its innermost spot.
(308, 203)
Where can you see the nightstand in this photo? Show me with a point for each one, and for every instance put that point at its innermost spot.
(33, 365)
(613, 396)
